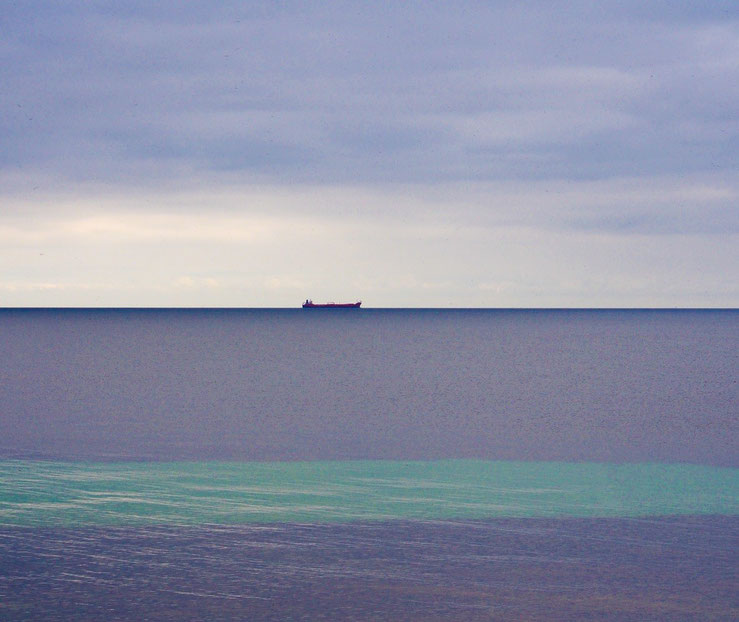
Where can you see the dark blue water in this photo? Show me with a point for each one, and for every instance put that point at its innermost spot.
(370, 384)
(508, 569)
(494, 465)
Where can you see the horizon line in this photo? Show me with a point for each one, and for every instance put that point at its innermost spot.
(298, 308)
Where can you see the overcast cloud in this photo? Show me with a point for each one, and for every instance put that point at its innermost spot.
(421, 154)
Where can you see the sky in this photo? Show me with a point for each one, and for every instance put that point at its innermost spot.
(408, 154)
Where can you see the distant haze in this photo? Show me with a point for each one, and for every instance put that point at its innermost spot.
(407, 154)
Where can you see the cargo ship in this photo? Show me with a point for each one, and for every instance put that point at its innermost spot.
(309, 304)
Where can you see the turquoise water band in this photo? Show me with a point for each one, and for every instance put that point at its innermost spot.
(39, 493)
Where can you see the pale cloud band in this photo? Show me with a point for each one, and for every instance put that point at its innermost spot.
(488, 246)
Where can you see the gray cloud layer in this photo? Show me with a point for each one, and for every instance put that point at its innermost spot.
(366, 92)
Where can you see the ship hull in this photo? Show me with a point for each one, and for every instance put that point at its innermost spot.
(332, 305)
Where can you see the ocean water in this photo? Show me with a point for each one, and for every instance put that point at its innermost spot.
(192, 493)
(368, 465)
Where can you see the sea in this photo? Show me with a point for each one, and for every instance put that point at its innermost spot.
(369, 464)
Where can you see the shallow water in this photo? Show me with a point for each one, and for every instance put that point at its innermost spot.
(38, 493)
